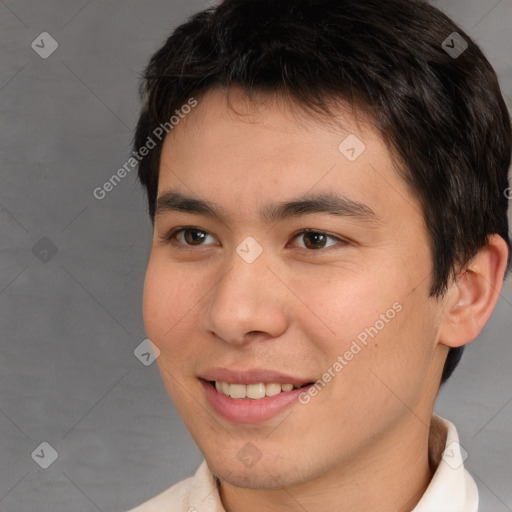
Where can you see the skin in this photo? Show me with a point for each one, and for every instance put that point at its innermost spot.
(362, 442)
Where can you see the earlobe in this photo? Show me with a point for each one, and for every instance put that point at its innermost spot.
(471, 299)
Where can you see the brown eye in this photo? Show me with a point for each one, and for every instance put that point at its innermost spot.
(316, 240)
(194, 236)
(188, 237)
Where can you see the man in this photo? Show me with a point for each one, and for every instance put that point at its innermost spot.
(327, 185)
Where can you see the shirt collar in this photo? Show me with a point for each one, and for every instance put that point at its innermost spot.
(452, 489)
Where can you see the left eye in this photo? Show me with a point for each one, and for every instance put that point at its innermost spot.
(316, 240)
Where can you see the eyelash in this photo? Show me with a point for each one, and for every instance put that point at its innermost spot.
(170, 238)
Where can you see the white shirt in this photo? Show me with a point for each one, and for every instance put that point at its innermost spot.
(452, 489)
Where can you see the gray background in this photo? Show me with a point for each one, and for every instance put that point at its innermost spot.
(70, 321)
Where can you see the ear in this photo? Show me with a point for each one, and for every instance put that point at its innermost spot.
(470, 300)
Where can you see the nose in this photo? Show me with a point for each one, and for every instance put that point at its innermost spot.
(248, 303)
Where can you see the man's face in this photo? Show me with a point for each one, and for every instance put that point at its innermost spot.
(286, 305)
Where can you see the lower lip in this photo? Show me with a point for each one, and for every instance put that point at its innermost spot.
(247, 410)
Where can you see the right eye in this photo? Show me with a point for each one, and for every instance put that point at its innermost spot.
(187, 236)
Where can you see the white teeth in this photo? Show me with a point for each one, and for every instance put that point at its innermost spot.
(254, 391)
(272, 389)
(237, 391)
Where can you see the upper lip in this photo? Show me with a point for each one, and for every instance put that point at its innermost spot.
(251, 376)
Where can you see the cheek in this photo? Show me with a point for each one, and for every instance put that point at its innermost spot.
(374, 322)
(168, 301)
(340, 306)
(155, 302)
(168, 314)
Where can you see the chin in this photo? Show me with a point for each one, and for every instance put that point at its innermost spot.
(251, 478)
(262, 475)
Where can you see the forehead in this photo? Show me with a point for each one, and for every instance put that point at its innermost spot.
(233, 148)
(272, 111)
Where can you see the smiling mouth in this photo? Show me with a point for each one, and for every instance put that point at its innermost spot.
(254, 391)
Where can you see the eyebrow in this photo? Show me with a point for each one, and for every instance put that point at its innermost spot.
(325, 202)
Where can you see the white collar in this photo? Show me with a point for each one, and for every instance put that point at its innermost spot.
(452, 489)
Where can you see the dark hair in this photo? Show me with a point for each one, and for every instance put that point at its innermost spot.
(441, 114)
